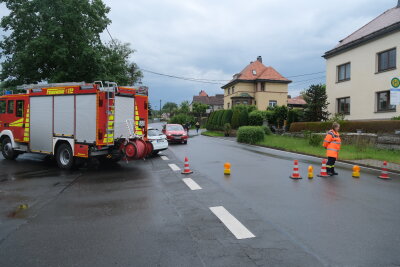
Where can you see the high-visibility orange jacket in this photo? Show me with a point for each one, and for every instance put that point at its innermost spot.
(332, 144)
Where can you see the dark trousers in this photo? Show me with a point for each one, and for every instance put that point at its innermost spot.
(330, 165)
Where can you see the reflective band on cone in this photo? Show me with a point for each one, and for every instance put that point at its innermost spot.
(186, 169)
(296, 174)
(384, 174)
(323, 169)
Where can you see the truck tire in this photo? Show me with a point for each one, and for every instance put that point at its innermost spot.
(65, 157)
(7, 150)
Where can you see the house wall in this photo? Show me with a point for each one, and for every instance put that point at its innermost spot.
(364, 81)
(273, 91)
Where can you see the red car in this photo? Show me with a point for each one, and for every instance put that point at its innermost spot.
(175, 133)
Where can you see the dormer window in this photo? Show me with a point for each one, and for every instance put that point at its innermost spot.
(254, 72)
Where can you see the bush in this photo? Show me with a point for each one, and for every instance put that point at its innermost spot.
(182, 119)
(244, 117)
(227, 117)
(267, 130)
(270, 117)
(210, 125)
(396, 118)
(256, 118)
(227, 129)
(315, 140)
(382, 126)
(218, 121)
(295, 115)
(235, 119)
(250, 134)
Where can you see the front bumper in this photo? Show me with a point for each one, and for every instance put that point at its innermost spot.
(157, 146)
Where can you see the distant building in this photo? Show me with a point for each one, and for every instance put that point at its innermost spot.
(296, 102)
(214, 102)
(359, 70)
(256, 85)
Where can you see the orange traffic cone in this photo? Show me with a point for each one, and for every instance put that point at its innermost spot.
(186, 169)
(384, 173)
(323, 169)
(296, 174)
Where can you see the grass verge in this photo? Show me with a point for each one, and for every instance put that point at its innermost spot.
(212, 133)
(347, 152)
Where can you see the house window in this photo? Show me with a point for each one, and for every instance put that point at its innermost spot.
(237, 102)
(229, 105)
(20, 108)
(10, 107)
(383, 101)
(2, 106)
(387, 60)
(245, 102)
(343, 72)
(344, 105)
(262, 87)
(254, 72)
(272, 103)
(233, 89)
(229, 91)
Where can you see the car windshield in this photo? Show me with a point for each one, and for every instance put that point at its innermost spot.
(174, 128)
(153, 132)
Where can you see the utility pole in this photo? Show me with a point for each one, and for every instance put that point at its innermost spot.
(160, 111)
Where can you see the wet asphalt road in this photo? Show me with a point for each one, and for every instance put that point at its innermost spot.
(142, 214)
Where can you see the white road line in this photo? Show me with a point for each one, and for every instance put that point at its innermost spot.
(174, 167)
(164, 158)
(236, 227)
(191, 184)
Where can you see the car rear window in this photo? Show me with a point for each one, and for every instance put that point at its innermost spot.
(153, 132)
(174, 128)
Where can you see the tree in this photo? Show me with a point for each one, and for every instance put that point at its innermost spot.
(199, 109)
(184, 107)
(317, 104)
(59, 41)
(280, 113)
(170, 108)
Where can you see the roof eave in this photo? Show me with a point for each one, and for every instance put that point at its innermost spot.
(252, 81)
(375, 35)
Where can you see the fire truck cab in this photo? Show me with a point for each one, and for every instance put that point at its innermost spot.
(75, 120)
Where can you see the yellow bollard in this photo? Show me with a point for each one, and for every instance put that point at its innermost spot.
(23, 207)
(356, 171)
(227, 168)
(310, 172)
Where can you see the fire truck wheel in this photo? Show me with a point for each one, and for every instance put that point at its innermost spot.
(7, 150)
(64, 157)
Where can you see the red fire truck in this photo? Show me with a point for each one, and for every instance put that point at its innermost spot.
(75, 120)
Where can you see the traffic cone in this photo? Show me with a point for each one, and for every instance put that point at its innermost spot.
(356, 171)
(296, 174)
(310, 172)
(227, 168)
(384, 173)
(186, 169)
(323, 169)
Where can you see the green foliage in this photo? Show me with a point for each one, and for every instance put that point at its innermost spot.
(244, 117)
(182, 119)
(256, 118)
(280, 115)
(210, 125)
(338, 117)
(317, 104)
(227, 129)
(315, 139)
(170, 107)
(235, 119)
(269, 115)
(184, 107)
(396, 118)
(267, 130)
(250, 134)
(227, 117)
(241, 107)
(381, 126)
(59, 41)
(199, 109)
(295, 115)
(218, 121)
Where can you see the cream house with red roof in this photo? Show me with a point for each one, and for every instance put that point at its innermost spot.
(257, 85)
(359, 70)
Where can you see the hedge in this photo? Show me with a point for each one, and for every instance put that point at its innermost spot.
(382, 126)
(250, 134)
(256, 118)
(227, 117)
(235, 119)
(244, 118)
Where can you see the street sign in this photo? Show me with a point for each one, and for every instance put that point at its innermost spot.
(395, 96)
(395, 82)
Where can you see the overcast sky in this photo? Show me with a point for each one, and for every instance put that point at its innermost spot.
(214, 39)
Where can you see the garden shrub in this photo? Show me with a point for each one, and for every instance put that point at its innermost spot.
(182, 119)
(315, 139)
(235, 119)
(209, 125)
(244, 117)
(227, 129)
(396, 118)
(250, 134)
(227, 117)
(381, 126)
(267, 130)
(256, 118)
(218, 121)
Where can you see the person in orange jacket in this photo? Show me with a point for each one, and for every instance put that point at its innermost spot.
(332, 144)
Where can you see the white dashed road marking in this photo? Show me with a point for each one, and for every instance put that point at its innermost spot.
(191, 184)
(236, 227)
(174, 167)
(164, 158)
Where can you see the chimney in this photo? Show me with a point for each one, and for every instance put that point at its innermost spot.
(259, 58)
